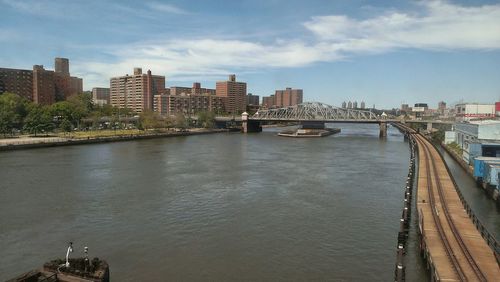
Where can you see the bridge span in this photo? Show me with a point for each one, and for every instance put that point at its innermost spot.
(312, 114)
(456, 247)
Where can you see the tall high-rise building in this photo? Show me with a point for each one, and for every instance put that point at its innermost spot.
(344, 105)
(355, 104)
(136, 91)
(43, 86)
(363, 105)
(349, 105)
(288, 97)
(65, 85)
(40, 85)
(235, 92)
(61, 65)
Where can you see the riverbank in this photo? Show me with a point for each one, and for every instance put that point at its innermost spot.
(42, 142)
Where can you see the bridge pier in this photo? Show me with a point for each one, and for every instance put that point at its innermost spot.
(383, 129)
(249, 125)
(429, 127)
(312, 125)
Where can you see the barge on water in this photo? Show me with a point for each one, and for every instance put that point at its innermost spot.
(306, 133)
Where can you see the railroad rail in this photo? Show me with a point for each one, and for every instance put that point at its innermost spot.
(454, 248)
(435, 189)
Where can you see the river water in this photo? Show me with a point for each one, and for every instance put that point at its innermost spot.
(221, 207)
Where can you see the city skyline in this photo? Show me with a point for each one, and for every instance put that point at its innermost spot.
(383, 53)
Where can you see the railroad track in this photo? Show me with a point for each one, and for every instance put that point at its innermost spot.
(460, 258)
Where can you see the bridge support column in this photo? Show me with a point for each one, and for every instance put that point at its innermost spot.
(312, 125)
(429, 126)
(249, 125)
(383, 129)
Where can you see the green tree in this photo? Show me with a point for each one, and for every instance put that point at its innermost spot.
(12, 112)
(39, 119)
(437, 136)
(7, 119)
(149, 119)
(95, 116)
(66, 126)
(206, 119)
(63, 111)
(180, 121)
(104, 110)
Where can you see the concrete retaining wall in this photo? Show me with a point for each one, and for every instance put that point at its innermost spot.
(70, 142)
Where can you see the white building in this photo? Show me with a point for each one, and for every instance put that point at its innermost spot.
(449, 137)
(486, 131)
(466, 112)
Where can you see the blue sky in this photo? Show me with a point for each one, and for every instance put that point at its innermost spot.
(382, 52)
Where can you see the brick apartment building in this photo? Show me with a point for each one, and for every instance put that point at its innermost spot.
(288, 97)
(268, 102)
(283, 98)
(235, 92)
(17, 81)
(40, 85)
(101, 96)
(136, 91)
(253, 100)
(195, 90)
(189, 101)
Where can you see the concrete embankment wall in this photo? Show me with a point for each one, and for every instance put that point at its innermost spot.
(80, 141)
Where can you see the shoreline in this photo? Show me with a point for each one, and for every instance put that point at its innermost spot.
(58, 142)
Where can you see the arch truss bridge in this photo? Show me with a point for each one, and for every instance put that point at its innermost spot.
(315, 111)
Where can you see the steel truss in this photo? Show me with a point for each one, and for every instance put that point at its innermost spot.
(315, 111)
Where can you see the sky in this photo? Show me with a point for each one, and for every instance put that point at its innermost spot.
(382, 52)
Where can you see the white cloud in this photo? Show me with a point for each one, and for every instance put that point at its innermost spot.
(442, 26)
(439, 25)
(46, 8)
(200, 58)
(167, 8)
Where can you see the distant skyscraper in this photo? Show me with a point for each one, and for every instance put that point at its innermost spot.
(349, 105)
(235, 92)
(344, 105)
(363, 106)
(355, 104)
